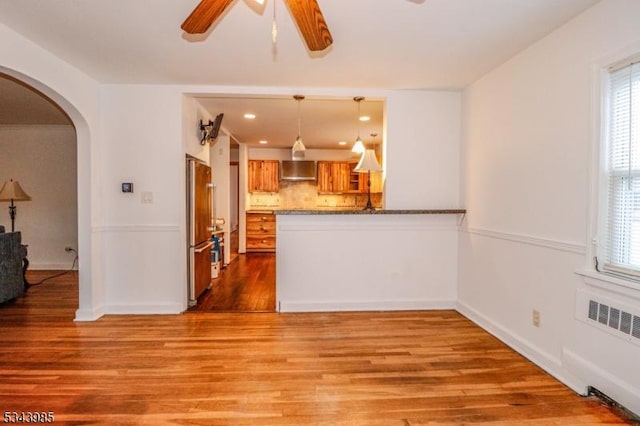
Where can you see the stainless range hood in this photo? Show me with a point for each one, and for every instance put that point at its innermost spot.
(298, 170)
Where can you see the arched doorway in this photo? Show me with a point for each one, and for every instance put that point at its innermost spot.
(89, 290)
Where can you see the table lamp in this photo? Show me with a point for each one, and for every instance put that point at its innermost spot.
(12, 191)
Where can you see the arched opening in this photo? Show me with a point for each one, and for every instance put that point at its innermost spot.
(53, 109)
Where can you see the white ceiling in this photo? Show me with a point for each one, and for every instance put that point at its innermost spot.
(378, 44)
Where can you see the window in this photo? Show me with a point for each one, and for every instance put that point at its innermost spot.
(621, 250)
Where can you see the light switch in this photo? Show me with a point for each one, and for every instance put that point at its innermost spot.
(147, 197)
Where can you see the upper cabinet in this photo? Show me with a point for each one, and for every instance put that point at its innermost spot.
(338, 177)
(263, 175)
(333, 177)
(330, 178)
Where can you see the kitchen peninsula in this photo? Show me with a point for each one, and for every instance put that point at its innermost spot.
(358, 260)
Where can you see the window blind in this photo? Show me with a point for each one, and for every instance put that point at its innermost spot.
(623, 171)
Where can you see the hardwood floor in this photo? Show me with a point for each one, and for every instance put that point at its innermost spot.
(248, 284)
(367, 368)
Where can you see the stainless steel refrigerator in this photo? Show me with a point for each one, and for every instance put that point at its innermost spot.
(199, 225)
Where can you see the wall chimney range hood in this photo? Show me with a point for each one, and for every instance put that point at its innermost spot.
(298, 170)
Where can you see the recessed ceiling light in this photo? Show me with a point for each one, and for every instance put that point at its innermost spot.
(263, 142)
(365, 118)
(342, 143)
(249, 116)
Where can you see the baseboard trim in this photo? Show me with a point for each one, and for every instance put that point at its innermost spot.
(85, 315)
(542, 359)
(51, 267)
(620, 391)
(400, 305)
(144, 309)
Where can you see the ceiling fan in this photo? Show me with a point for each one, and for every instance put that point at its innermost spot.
(306, 13)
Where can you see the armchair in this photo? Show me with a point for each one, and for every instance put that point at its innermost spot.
(12, 255)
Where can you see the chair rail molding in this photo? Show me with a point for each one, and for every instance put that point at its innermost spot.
(529, 240)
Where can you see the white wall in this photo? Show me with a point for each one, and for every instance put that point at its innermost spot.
(365, 262)
(422, 149)
(43, 159)
(144, 266)
(525, 183)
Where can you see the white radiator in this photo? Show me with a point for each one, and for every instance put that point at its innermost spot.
(613, 315)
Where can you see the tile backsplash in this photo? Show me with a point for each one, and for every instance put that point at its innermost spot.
(304, 195)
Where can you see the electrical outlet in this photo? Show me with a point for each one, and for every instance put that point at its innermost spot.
(536, 318)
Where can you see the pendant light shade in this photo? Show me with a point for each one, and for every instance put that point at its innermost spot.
(358, 146)
(298, 149)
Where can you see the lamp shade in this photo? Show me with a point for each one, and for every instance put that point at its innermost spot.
(12, 191)
(368, 163)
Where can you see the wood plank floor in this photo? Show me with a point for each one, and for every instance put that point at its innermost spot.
(382, 368)
(247, 284)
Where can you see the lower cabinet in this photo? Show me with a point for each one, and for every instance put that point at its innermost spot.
(261, 232)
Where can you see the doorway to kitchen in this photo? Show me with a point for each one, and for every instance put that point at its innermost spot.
(247, 282)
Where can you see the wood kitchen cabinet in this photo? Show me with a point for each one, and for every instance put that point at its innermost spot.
(334, 176)
(338, 177)
(261, 232)
(264, 175)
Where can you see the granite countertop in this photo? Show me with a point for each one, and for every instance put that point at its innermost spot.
(347, 212)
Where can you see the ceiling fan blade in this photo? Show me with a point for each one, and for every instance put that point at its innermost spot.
(311, 23)
(204, 15)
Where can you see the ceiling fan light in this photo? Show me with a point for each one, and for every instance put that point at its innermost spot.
(358, 146)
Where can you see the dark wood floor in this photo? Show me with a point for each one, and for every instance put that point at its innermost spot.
(367, 368)
(247, 284)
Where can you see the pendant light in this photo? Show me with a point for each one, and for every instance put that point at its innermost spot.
(297, 151)
(358, 146)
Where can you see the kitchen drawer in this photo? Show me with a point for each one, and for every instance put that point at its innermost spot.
(260, 217)
(261, 228)
(263, 243)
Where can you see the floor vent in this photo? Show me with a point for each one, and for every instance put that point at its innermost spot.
(615, 319)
